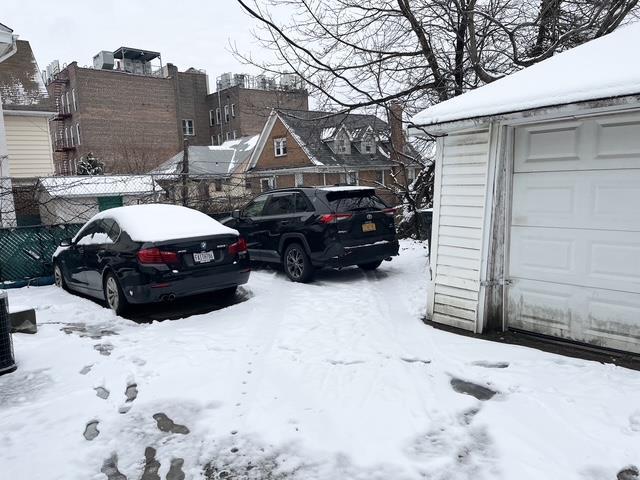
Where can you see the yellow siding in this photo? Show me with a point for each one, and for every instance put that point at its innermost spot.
(29, 146)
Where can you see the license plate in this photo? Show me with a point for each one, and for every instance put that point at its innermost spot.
(368, 227)
(204, 257)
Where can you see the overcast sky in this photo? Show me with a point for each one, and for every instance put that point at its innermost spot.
(188, 33)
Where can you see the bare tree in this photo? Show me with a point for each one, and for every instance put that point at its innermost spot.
(366, 54)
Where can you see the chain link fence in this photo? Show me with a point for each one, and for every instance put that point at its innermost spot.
(36, 214)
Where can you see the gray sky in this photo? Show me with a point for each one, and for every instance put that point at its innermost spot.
(188, 33)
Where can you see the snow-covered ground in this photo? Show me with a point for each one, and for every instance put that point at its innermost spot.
(338, 379)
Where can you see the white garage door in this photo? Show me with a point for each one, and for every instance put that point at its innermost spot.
(575, 232)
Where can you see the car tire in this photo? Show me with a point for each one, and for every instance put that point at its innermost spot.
(113, 295)
(58, 277)
(370, 266)
(297, 264)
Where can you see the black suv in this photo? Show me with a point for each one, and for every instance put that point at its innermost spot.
(305, 228)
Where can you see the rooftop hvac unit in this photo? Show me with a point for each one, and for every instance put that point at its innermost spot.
(290, 81)
(224, 81)
(103, 60)
(240, 79)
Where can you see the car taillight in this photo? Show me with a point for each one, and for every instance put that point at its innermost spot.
(389, 211)
(239, 247)
(334, 217)
(155, 255)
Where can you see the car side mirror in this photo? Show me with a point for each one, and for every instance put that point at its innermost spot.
(66, 242)
(235, 214)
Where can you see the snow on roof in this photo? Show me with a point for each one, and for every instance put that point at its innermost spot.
(99, 185)
(602, 68)
(157, 222)
(345, 189)
(21, 85)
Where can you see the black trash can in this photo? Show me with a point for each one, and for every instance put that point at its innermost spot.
(7, 361)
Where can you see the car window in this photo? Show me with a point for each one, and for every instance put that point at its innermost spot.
(281, 204)
(84, 235)
(302, 204)
(255, 207)
(353, 201)
(95, 234)
(112, 229)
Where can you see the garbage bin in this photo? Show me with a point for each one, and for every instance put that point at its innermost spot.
(7, 361)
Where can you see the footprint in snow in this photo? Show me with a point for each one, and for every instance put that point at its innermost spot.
(102, 392)
(175, 470)
(629, 473)
(131, 393)
(415, 360)
(486, 364)
(86, 369)
(151, 465)
(104, 348)
(91, 430)
(165, 424)
(110, 468)
(469, 388)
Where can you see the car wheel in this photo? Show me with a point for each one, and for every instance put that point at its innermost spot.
(297, 264)
(58, 277)
(370, 266)
(113, 295)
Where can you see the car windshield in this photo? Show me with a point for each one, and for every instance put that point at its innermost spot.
(354, 201)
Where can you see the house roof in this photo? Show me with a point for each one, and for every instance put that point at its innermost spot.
(99, 185)
(314, 131)
(599, 69)
(212, 160)
(21, 85)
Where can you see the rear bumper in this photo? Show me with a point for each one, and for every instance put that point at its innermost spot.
(358, 254)
(193, 283)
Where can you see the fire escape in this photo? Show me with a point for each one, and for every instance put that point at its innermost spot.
(63, 143)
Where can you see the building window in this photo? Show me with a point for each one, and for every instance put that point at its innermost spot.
(299, 179)
(352, 178)
(380, 177)
(368, 144)
(67, 102)
(78, 132)
(342, 143)
(226, 113)
(187, 128)
(61, 107)
(228, 135)
(66, 137)
(213, 140)
(72, 137)
(267, 184)
(233, 110)
(211, 118)
(217, 116)
(280, 147)
(235, 135)
(75, 101)
(219, 139)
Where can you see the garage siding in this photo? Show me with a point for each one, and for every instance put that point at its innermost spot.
(457, 235)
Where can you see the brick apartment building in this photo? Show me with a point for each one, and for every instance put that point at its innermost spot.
(133, 115)
(242, 103)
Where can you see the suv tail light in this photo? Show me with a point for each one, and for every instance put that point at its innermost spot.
(334, 217)
(238, 248)
(155, 255)
(389, 211)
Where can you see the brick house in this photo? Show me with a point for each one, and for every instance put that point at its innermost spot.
(242, 104)
(307, 148)
(131, 120)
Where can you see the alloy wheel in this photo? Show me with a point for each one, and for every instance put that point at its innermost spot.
(112, 293)
(57, 276)
(295, 263)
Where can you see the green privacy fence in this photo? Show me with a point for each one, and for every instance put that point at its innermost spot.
(25, 252)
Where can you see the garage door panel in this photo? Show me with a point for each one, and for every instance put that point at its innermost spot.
(545, 147)
(590, 258)
(590, 315)
(618, 139)
(582, 199)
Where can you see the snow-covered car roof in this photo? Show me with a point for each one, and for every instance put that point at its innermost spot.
(345, 189)
(158, 223)
(602, 68)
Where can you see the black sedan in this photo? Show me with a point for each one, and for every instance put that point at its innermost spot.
(151, 253)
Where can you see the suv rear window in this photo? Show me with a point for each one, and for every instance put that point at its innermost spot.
(353, 201)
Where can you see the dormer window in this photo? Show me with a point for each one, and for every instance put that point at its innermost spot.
(368, 144)
(342, 143)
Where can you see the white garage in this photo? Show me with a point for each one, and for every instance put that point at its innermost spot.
(537, 199)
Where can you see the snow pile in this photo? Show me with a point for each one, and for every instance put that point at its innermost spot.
(157, 223)
(339, 379)
(99, 185)
(601, 68)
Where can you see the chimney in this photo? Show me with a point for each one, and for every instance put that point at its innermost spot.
(394, 116)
